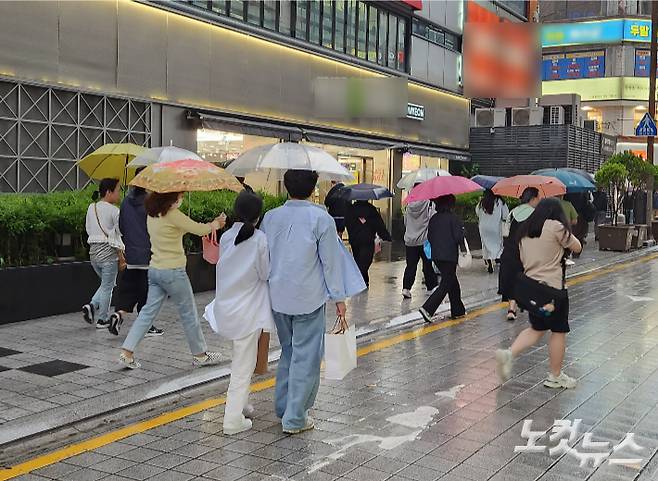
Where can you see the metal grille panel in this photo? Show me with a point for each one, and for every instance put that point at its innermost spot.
(44, 130)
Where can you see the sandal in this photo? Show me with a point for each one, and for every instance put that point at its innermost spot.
(511, 315)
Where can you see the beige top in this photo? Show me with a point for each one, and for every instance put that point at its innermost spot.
(166, 235)
(542, 256)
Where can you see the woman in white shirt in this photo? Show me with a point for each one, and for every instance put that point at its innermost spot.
(242, 309)
(102, 224)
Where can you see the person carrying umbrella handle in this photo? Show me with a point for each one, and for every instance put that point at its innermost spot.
(167, 276)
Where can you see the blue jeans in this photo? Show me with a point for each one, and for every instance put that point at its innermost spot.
(107, 272)
(298, 375)
(175, 284)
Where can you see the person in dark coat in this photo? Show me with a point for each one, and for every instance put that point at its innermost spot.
(446, 236)
(363, 223)
(601, 206)
(510, 260)
(337, 205)
(133, 288)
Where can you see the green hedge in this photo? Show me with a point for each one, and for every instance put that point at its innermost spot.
(29, 223)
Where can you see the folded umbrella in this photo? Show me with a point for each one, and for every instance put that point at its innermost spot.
(185, 176)
(440, 186)
(110, 161)
(365, 192)
(418, 176)
(486, 181)
(162, 154)
(276, 159)
(514, 186)
(573, 182)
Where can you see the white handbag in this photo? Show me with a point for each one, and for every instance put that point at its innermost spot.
(339, 353)
(465, 259)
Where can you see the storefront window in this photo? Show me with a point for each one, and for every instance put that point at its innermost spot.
(253, 12)
(269, 14)
(301, 24)
(327, 23)
(392, 39)
(372, 34)
(362, 33)
(383, 32)
(351, 27)
(219, 6)
(285, 10)
(401, 57)
(237, 9)
(314, 30)
(339, 41)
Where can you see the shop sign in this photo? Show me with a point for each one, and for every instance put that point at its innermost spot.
(605, 31)
(415, 112)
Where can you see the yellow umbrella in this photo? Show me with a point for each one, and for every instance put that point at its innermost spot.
(110, 161)
(185, 176)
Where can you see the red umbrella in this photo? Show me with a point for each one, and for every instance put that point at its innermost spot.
(440, 186)
(514, 186)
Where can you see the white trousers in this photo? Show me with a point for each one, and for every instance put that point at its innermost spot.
(245, 351)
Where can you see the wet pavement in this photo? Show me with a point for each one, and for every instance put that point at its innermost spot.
(425, 404)
(58, 370)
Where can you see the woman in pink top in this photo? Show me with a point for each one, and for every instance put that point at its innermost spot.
(543, 241)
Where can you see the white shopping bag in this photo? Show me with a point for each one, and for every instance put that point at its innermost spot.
(339, 353)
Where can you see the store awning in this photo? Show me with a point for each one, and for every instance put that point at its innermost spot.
(296, 133)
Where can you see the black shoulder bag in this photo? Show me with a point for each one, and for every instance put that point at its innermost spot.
(539, 298)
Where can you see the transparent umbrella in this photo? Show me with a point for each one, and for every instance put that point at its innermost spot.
(418, 176)
(162, 154)
(276, 159)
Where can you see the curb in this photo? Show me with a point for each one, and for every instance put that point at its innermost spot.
(62, 417)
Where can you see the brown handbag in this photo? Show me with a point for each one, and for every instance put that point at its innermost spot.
(263, 353)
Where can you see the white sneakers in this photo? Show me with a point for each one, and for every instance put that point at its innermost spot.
(504, 364)
(406, 293)
(310, 424)
(504, 361)
(209, 359)
(242, 425)
(561, 381)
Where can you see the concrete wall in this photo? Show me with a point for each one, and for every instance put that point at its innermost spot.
(127, 48)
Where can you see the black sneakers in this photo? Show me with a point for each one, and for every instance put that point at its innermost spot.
(116, 320)
(88, 313)
(154, 331)
(102, 324)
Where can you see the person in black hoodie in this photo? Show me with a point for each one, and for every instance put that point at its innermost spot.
(445, 234)
(134, 285)
(337, 205)
(363, 223)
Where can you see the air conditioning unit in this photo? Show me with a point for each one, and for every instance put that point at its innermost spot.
(527, 116)
(592, 125)
(556, 115)
(490, 117)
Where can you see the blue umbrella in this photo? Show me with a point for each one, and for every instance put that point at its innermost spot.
(574, 182)
(486, 181)
(366, 192)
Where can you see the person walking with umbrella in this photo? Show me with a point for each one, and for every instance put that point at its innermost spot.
(364, 224)
(133, 288)
(492, 212)
(337, 205)
(166, 226)
(446, 236)
(102, 225)
(417, 217)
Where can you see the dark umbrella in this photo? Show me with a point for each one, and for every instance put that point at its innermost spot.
(582, 172)
(365, 192)
(486, 181)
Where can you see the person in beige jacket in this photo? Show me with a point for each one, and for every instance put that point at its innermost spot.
(544, 239)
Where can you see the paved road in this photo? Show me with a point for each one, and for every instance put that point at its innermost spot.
(425, 405)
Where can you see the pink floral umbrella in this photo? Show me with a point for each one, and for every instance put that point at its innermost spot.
(440, 186)
(185, 176)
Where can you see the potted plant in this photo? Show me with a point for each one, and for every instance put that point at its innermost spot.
(613, 177)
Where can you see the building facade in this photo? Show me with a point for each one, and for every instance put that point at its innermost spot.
(600, 51)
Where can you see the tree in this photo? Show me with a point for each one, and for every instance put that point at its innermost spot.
(613, 177)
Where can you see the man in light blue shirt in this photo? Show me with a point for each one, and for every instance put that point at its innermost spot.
(306, 272)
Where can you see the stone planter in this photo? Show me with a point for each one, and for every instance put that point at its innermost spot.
(47, 290)
(640, 236)
(616, 237)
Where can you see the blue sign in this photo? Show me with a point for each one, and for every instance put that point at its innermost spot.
(577, 65)
(604, 31)
(642, 60)
(646, 127)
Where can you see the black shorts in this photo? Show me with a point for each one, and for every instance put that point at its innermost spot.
(133, 290)
(557, 322)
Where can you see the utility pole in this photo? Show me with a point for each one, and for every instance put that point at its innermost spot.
(652, 112)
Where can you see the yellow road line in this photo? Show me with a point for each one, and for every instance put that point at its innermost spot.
(169, 417)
